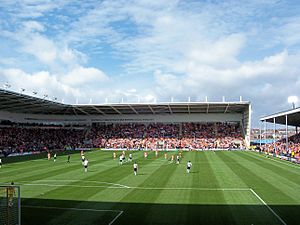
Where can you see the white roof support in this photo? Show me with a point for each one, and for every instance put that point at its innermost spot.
(115, 109)
(170, 109)
(133, 109)
(151, 109)
(98, 110)
(81, 110)
(207, 108)
(226, 108)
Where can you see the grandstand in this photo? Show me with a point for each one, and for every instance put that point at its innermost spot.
(20, 108)
(287, 148)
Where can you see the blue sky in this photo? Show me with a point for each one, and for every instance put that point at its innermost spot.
(153, 50)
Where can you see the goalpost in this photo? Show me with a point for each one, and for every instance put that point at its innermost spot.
(10, 205)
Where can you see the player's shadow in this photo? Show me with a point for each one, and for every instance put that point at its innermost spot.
(194, 171)
(142, 174)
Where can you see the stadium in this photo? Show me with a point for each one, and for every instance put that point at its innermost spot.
(43, 142)
(170, 112)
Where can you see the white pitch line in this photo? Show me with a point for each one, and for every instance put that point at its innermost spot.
(79, 209)
(71, 185)
(85, 181)
(197, 189)
(284, 163)
(75, 209)
(287, 163)
(138, 188)
(120, 213)
(272, 211)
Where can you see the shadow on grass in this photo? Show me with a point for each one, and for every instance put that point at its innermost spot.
(48, 212)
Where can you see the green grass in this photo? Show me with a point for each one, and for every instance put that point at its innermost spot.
(224, 187)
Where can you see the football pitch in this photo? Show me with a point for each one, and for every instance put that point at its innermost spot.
(223, 187)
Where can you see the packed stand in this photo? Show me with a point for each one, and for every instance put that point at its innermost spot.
(279, 148)
(37, 139)
(168, 136)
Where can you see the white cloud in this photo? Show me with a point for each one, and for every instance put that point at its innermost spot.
(31, 26)
(40, 47)
(189, 48)
(82, 76)
(273, 75)
(42, 82)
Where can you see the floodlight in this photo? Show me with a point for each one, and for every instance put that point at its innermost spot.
(293, 100)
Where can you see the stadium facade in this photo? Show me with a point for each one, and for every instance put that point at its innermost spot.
(20, 108)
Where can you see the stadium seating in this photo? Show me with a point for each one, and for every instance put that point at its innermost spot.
(281, 150)
(33, 139)
(17, 139)
(168, 136)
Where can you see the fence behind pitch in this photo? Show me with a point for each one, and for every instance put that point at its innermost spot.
(10, 205)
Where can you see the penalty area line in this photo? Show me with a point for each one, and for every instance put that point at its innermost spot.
(120, 212)
(104, 184)
(271, 210)
(72, 185)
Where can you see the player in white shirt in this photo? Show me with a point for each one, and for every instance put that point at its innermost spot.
(54, 157)
(177, 159)
(135, 168)
(85, 164)
(121, 159)
(188, 166)
(0, 163)
(130, 157)
(82, 159)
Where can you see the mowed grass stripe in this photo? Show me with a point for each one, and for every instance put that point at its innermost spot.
(51, 169)
(269, 192)
(83, 194)
(273, 178)
(112, 175)
(210, 170)
(34, 167)
(125, 175)
(252, 180)
(66, 173)
(286, 168)
(222, 196)
(158, 178)
(95, 173)
(290, 177)
(256, 179)
(181, 180)
(225, 175)
(228, 178)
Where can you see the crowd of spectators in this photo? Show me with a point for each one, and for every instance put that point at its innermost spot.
(280, 147)
(168, 136)
(32, 139)
(19, 139)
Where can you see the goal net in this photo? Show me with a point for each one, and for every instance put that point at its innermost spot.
(10, 205)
